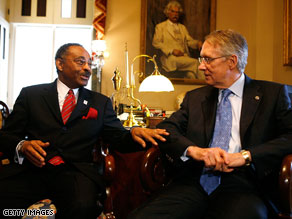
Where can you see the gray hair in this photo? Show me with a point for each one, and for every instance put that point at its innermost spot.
(170, 5)
(231, 43)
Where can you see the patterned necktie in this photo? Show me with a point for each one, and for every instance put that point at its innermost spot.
(222, 133)
(68, 106)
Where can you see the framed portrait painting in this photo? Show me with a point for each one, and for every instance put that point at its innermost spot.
(193, 19)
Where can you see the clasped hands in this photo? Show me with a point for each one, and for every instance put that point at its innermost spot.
(216, 159)
(34, 150)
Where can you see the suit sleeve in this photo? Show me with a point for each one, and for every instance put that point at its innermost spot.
(14, 129)
(176, 125)
(189, 40)
(267, 155)
(115, 134)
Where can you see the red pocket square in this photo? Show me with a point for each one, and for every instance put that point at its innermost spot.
(92, 114)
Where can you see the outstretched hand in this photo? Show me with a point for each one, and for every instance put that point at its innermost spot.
(141, 135)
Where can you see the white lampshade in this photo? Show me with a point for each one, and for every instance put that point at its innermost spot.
(156, 83)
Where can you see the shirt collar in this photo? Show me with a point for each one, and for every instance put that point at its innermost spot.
(171, 23)
(237, 86)
(63, 89)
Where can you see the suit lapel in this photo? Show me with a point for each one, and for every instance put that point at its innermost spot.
(82, 105)
(250, 103)
(182, 32)
(170, 29)
(209, 107)
(50, 97)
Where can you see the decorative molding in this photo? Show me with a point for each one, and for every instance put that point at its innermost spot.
(287, 32)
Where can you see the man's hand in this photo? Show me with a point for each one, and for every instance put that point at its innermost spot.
(34, 152)
(216, 158)
(141, 134)
(213, 158)
(177, 52)
(235, 160)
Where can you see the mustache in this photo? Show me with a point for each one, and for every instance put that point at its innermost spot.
(86, 73)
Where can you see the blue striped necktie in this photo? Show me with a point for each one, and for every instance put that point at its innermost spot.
(221, 138)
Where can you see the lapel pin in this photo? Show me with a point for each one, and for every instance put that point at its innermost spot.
(85, 102)
(257, 97)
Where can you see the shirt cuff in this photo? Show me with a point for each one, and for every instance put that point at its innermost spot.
(184, 157)
(18, 157)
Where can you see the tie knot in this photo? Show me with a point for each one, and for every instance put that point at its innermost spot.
(226, 93)
(70, 92)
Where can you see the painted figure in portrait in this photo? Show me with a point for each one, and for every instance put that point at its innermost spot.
(173, 31)
(173, 40)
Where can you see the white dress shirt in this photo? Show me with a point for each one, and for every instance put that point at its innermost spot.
(63, 91)
(174, 28)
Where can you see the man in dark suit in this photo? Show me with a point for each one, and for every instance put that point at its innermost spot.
(53, 151)
(260, 136)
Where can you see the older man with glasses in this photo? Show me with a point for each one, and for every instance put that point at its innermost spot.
(226, 139)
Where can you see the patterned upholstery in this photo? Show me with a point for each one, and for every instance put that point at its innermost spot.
(44, 208)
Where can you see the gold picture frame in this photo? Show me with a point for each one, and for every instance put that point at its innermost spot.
(287, 33)
(152, 14)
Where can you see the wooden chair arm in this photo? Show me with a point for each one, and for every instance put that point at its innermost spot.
(110, 168)
(109, 173)
(152, 171)
(102, 155)
(285, 187)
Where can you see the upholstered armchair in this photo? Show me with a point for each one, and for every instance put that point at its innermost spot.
(138, 175)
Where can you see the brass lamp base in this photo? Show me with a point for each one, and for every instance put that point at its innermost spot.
(131, 121)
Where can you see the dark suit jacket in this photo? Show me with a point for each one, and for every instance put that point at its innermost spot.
(36, 116)
(265, 126)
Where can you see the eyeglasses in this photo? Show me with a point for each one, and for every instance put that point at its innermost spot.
(82, 62)
(208, 60)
